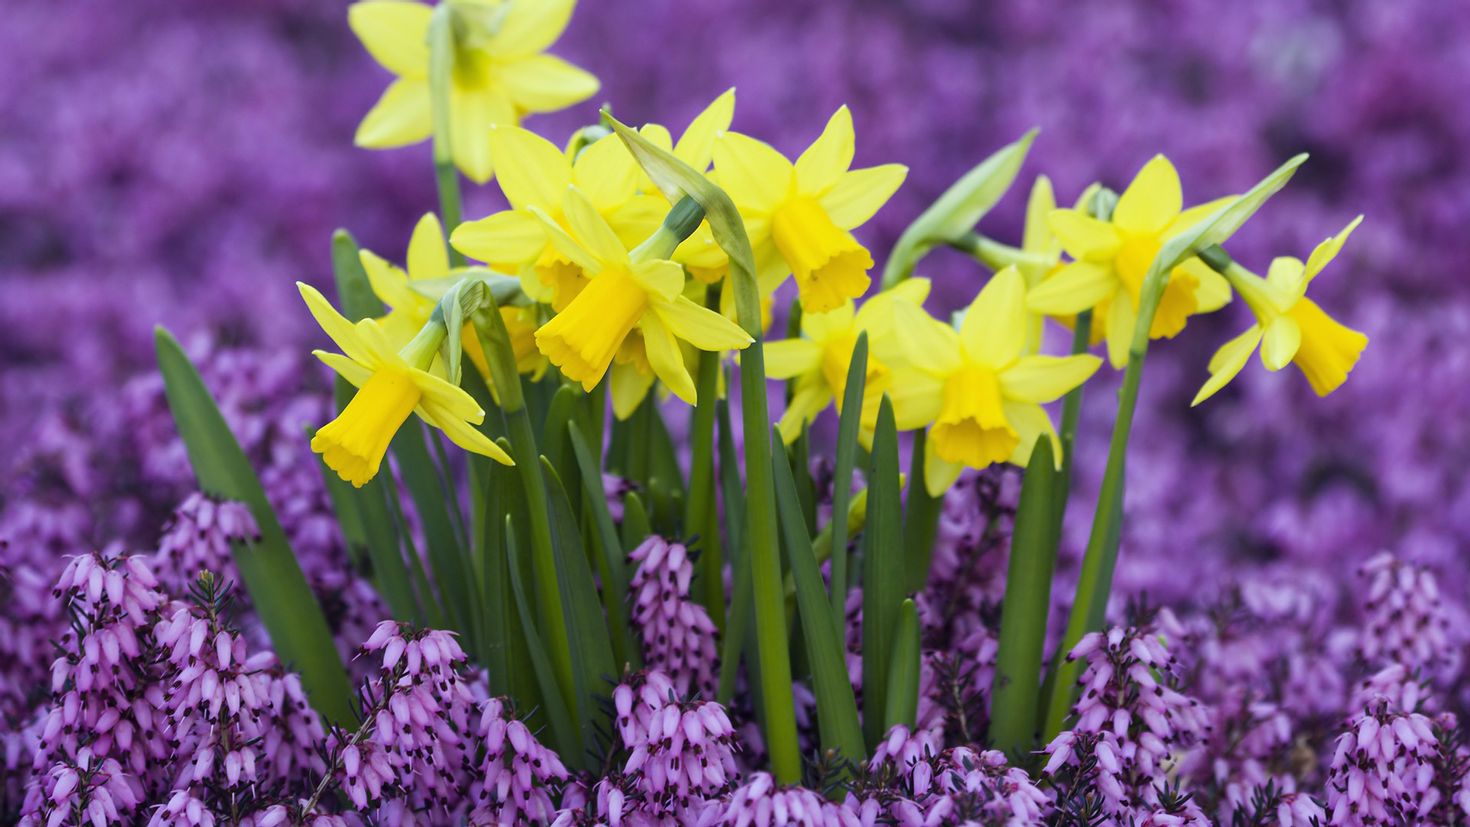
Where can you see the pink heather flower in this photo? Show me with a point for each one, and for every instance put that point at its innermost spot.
(962, 786)
(678, 635)
(1391, 767)
(518, 776)
(1404, 620)
(197, 538)
(680, 754)
(760, 802)
(99, 791)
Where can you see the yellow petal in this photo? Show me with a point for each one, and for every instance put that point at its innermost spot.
(757, 177)
(428, 258)
(1084, 237)
(606, 173)
(697, 145)
(1328, 250)
(565, 244)
(1278, 347)
(345, 367)
(628, 387)
(1076, 287)
(666, 360)
(533, 171)
(448, 397)
(475, 114)
(341, 331)
(700, 326)
(1195, 215)
(399, 118)
(1329, 350)
(1037, 236)
(1213, 291)
(993, 330)
(389, 283)
(828, 157)
(1227, 362)
(808, 401)
(1289, 278)
(928, 345)
(508, 238)
(859, 193)
(1152, 201)
(545, 83)
(1031, 424)
(528, 28)
(939, 473)
(1040, 379)
(1120, 323)
(591, 230)
(917, 398)
(395, 34)
(789, 358)
(463, 434)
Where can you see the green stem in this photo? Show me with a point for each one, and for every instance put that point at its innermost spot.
(921, 519)
(1072, 412)
(700, 513)
(441, 70)
(995, 255)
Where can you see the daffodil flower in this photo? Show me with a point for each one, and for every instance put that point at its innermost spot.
(976, 390)
(819, 360)
(500, 72)
(534, 174)
(392, 383)
(625, 293)
(799, 216)
(1290, 328)
(1111, 259)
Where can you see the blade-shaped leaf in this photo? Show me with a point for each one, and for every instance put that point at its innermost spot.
(848, 425)
(903, 672)
(883, 572)
(568, 739)
(611, 563)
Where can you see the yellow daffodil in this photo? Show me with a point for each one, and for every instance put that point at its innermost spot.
(976, 390)
(1111, 259)
(534, 174)
(500, 72)
(819, 360)
(799, 216)
(1289, 328)
(392, 383)
(624, 293)
(699, 253)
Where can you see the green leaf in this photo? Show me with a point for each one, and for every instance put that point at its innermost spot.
(1026, 608)
(354, 292)
(883, 572)
(366, 525)
(837, 715)
(848, 426)
(564, 730)
(432, 497)
(701, 512)
(593, 670)
(1223, 223)
(737, 625)
(636, 527)
(921, 519)
(677, 179)
(903, 674)
(612, 567)
(282, 599)
(958, 210)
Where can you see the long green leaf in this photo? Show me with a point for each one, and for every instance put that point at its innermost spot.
(568, 739)
(1026, 608)
(678, 180)
(883, 572)
(278, 590)
(432, 495)
(920, 520)
(611, 565)
(903, 673)
(848, 425)
(701, 511)
(958, 209)
(837, 715)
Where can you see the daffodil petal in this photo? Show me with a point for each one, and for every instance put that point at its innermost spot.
(1037, 236)
(509, 237)
(1196, 214)
(859, 193)
(463, 434)
(830, 155)
(475, 115)
(628, 386)
(341, 331)
(1228, 361)
(819, 326)
(533, 172)
(448, 397)
(700, 326)
(1288, 276)
(389, 283)
(395, 34)
(916, 396)
(928, 345)
(666, 360)
(428, 258)
(789, 358)
(1031, 423)
(1152, 200)
(1120, 323)
(399, 118)
(1279, 345)
(1325, 252)
(606, 173)
(546, 83)
(528, 28)
(696, 146)
(939, 473)
(592, 230)
(756, 177)
(1082, 236)
(345, 367)
(993, 330)
(565, 244)
(1213, 291)
(1076, 287)
(1040, 379)
(808, 401)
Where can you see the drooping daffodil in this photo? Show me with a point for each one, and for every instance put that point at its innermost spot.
(625, 293)
(799, 216)
(1290, 328)
(393, 382)
(819, 360)
(500, 72)
(975, 388)
(1112, 257)
(535, 174)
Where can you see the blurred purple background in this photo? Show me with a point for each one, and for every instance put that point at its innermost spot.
(184, 163)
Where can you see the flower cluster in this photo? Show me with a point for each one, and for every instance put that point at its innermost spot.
(517, 776)
(678, 635)
(197, 538)
(681, 754)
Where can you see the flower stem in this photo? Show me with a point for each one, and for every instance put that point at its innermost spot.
(700, 515)
(446, 176)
